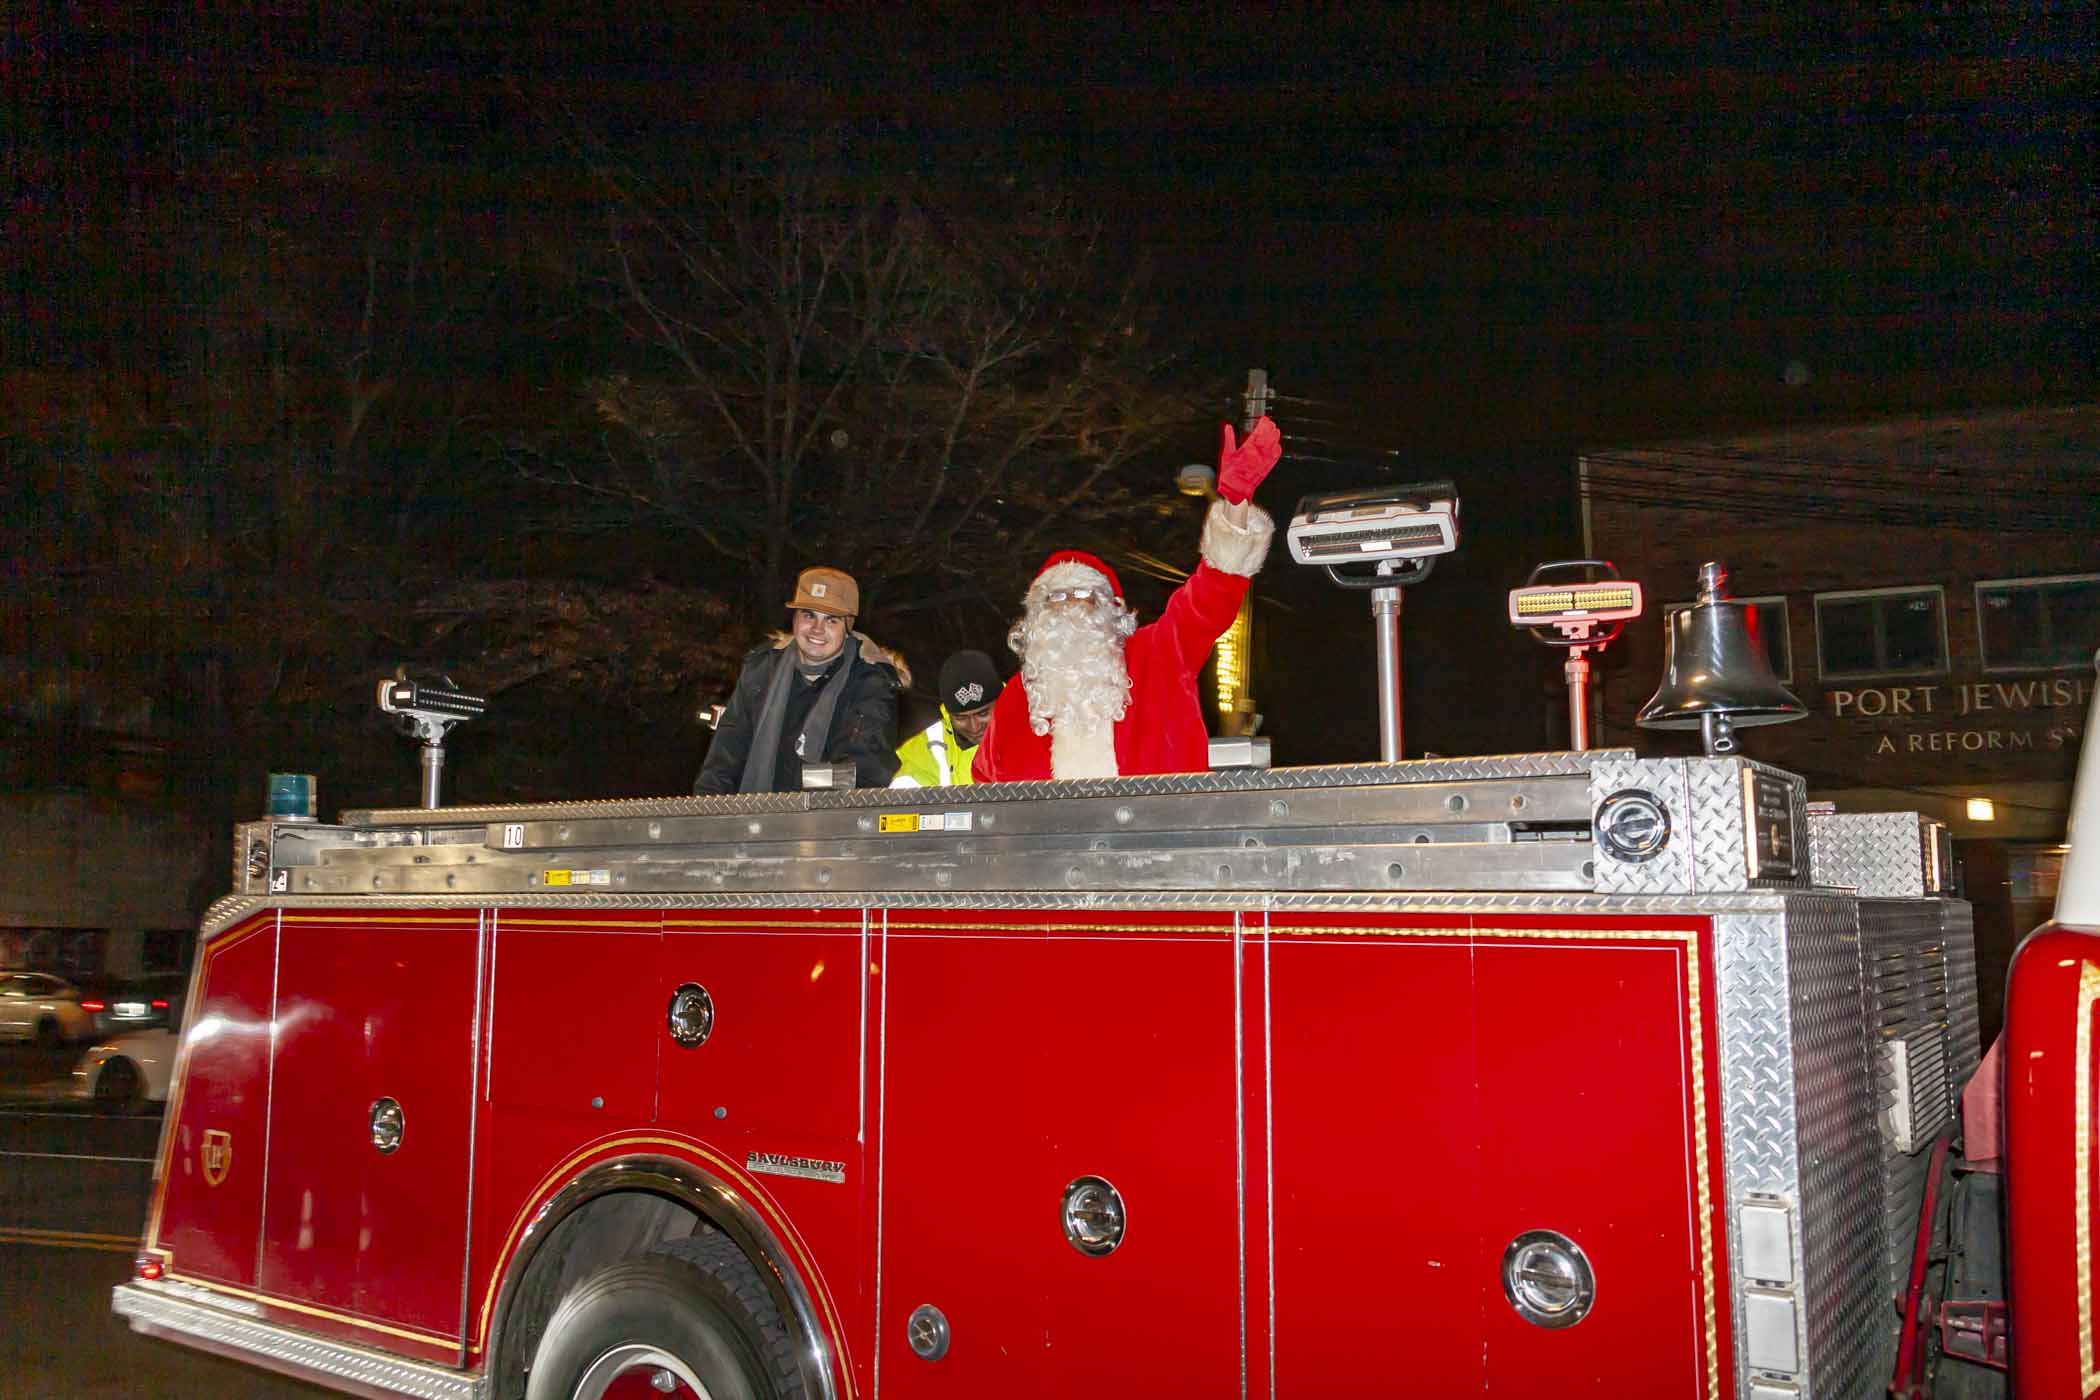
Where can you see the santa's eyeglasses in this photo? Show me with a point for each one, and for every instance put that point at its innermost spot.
(1077, 595)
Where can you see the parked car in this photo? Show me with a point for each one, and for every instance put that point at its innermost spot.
(37, 1006)
(128, 1007)
(131, 1070)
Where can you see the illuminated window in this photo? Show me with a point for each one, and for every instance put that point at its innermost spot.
(1769, 621)
(2038, 624)
(1881, 632)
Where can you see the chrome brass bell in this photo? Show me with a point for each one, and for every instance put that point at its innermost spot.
(1715, 675)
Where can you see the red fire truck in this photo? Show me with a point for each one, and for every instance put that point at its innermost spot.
(1540, 1075)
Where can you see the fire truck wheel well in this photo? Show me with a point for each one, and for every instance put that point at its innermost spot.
(698, 1300)
(625, 1211)
(600, 1232)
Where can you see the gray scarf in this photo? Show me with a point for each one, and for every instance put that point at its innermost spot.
(764, 758)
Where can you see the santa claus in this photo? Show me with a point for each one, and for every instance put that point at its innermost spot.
(1101, 697)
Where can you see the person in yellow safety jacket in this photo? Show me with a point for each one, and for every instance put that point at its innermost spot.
(940, 754)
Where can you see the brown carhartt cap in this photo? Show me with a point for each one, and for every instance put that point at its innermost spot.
(827, 591)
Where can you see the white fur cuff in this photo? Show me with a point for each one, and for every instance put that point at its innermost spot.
(1233, 549)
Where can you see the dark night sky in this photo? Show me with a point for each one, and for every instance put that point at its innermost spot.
(1463, 243)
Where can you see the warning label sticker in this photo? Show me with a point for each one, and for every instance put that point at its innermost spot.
(576, 877)
(925, 821)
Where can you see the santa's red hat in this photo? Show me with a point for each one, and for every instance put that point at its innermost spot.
(1069, 568)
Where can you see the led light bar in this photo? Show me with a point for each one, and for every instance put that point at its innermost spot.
(1548, 604)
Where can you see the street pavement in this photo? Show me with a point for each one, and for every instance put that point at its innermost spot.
(73, 1190)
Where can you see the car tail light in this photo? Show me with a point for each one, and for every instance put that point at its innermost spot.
(94, 1006)
(159, 1004)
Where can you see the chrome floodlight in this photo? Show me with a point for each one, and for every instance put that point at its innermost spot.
(1380, 538)
(425, 711)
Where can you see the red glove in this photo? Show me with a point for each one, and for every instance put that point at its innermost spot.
(1242, 466)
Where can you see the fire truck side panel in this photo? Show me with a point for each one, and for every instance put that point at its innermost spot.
(207, 1212)
(2052, 1037)
(1169, 1298)
(1592, 1081)
(778, 1083)
(371, 1008)
(960, 1160)
(575, 1021)
(1023, 1052)
(783, 1059)
(1375, 1143)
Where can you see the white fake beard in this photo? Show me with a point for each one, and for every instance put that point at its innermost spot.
(1072, 666)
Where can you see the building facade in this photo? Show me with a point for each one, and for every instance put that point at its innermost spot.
(1929, 588)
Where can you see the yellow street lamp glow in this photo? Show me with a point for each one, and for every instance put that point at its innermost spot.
(1232, 661)
(1982, 810)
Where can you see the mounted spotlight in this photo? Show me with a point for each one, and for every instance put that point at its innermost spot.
(1378, 538)
(425, 710)
(1381, 539)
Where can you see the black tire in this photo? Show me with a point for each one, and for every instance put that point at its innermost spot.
(49, 1036)
(698, 1300)
(119, 1088)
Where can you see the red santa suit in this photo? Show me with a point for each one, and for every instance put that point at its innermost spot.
(1162, 729)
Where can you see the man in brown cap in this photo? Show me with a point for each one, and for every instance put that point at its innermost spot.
(819, 693)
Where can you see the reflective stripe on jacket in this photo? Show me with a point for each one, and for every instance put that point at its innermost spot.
(934, 757)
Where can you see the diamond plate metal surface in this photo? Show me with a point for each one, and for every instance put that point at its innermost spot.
(1907, 994)
(1668, 870)
(1424, 770)
(1706, 851)
(1964, 1028)
(1882, 854)
(1752, 1002)
(228, 911)
(1839, 1147)
(157, 1312)
(1715, 795)
(1798, 1115)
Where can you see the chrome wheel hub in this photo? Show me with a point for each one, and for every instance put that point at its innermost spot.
(635, 1370)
